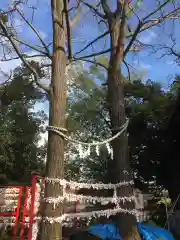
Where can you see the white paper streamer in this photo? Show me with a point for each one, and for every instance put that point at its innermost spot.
(88, 199)
(97, 186)
(94, 214)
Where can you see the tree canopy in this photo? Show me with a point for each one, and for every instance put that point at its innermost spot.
(20, 128)
(149, 108)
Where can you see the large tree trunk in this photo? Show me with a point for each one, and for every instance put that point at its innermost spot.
(55, 153)
(127, 223)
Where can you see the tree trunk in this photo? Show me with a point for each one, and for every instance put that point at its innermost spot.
(55, 152)
(127, 223)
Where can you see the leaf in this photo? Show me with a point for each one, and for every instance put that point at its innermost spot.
(103, 60)
(93, 69)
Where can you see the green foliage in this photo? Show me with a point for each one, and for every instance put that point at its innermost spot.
(86, 105)
(20, 127)
(147, 106)
(4, 17)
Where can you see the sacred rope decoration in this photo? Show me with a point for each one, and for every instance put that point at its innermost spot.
(84, 148)
(96, 186)
(65, 219)
(69, 197)
(87, 199)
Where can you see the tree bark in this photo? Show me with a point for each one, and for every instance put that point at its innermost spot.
(126, 223)
(55, 152)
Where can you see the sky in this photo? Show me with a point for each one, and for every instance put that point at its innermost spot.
(150, 64)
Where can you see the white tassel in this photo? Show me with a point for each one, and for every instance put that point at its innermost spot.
(108, 148)
(89, 151)
(112, 154)
(115, 198)
(97, 150)
(80, 150)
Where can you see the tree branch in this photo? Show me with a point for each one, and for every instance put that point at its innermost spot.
(26, 44)
(132, 39)
(77, 16)
(150, 23)
(21, 56)
(96, 54)
(136, 32)
(176, 54)
(69, 42)
(170, 51)
(156, 10)
(106, 8)
(93, 9)
(120, 9)
(36, 32)
(25, 56)
(166, 16)
(91, 61)
(92, 42)
(6, 83)
(129, 74)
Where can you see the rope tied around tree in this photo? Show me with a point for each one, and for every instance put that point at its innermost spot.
(62, 132)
